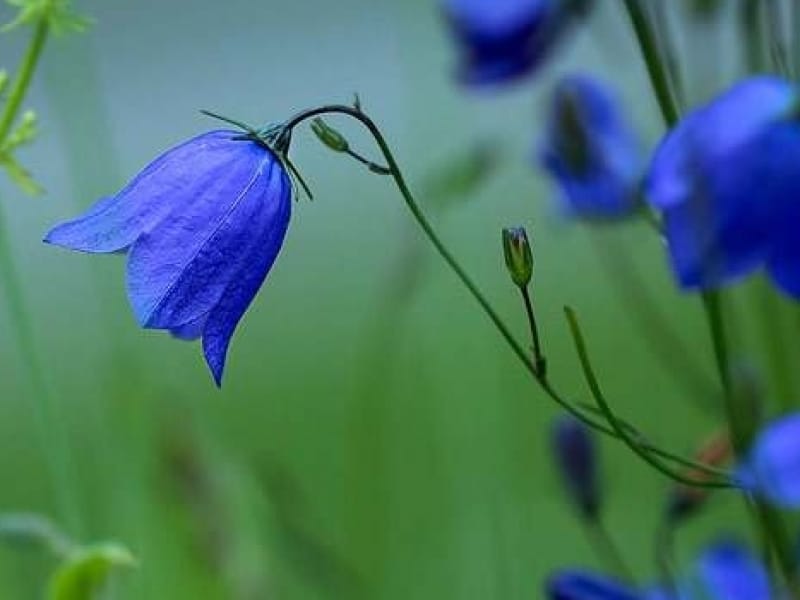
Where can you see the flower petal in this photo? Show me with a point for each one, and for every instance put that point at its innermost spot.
(582, 585)
(178, 270)
(729, 571)
(241, 289)
(164, 186)
(712, 133)
(773, 468)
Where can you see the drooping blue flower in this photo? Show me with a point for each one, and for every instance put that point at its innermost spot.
(591, 151)
(572, 584)
(727, 183)
(728, 570)
(503, 40)
(772, 468)
(575, 455)
(202, 225)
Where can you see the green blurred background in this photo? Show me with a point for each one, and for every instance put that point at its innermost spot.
(374, 437)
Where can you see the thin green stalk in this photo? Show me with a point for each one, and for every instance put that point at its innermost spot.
(23, 79)
(51, 433)
(538, 356)
(620, 430)
(606, 549)
(713, 309)
(657, 70)
(505, 331)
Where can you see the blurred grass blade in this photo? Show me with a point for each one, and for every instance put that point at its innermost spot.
(34, 530)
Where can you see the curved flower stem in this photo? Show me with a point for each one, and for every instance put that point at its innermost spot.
(51, 434)
(505, 331)
(621, 431)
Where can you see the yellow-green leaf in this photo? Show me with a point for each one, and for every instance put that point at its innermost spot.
(83, 575)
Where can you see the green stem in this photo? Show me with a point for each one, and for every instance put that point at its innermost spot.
(23, 79)
(658, 72)
(505, 331)
(619, 429)
(50, 432)
(713, 308)
(538, 357)
(606, 549)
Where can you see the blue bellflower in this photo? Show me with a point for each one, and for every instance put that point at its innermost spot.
(726, 181)
(503, 40)
(591, 151)
(772, 469)
(202, 225)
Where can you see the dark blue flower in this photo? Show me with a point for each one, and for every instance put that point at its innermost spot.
(772, 469)
(575, 455)
(727, 182)
(729, 571)
(572, 584)
(502, 40)
(202, 225)
(591, 151)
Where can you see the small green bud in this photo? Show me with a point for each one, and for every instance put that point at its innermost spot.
(519, 258)
(24, 133)
(329, 136)
(3, 80)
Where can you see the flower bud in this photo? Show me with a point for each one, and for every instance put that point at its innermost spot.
(683, 500)
(329, 136)
(575, 456)
(517, 251)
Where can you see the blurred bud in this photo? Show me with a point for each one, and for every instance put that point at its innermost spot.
(575, 457)
(3, 80)
(24, 133)
(590, 150)
(683, 500)
(329, 136)
(517, 251)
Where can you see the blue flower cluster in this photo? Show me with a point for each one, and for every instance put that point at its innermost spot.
(727, 569)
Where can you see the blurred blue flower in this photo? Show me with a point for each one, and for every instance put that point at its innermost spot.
(726, 570)
(202, 225)
(591, 151)
(729, 571)
(772, 469)
(503, 40)
(575, 455)
(572, 584)
(726, 181)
